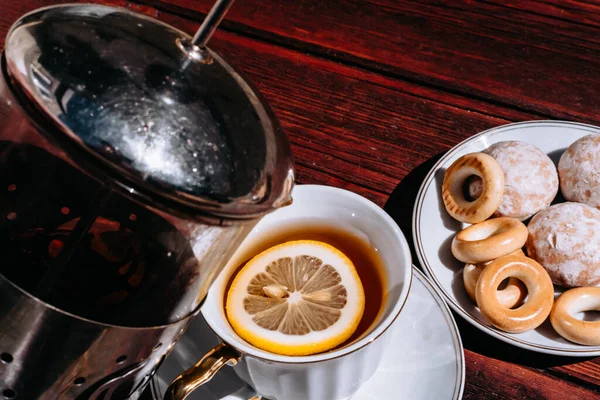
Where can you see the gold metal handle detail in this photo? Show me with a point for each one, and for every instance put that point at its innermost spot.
(202, 372)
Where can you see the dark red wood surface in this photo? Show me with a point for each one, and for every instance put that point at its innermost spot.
(372, 91)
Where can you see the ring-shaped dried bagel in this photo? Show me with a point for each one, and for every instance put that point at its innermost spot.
(513, 294)
(537, 305)
(489, 240)
(570, 303)
(453, 187)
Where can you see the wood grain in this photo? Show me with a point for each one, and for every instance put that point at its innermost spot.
(576, 12)
(587, 372)
(501, 380)
(506, 55)
(582, 371)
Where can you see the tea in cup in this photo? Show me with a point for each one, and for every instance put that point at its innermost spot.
(377, 249)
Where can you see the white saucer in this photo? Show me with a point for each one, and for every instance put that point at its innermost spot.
(433, 230)
(425, 359)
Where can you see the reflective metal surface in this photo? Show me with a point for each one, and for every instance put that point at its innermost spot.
(47, 354)
(131, 105)
(130, 171)
(75, 242)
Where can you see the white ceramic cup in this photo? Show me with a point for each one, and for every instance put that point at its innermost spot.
(328, 376)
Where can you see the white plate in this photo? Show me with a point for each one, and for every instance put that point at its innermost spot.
(425, 359)
(433, 230)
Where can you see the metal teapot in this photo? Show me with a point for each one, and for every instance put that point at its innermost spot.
(133, 161)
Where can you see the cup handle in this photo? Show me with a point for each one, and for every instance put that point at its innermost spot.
(192, 378)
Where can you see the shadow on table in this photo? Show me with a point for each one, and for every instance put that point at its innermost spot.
(475, 340)
(400, 207)
(401, 202)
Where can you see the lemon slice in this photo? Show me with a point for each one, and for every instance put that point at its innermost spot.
(298, 298)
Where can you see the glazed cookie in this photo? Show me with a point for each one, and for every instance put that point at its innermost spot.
(565, 239)
(579, 171)
(530, 183)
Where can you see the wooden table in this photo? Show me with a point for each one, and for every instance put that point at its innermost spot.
(371, 92)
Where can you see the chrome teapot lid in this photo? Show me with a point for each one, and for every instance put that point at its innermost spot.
(134, 102)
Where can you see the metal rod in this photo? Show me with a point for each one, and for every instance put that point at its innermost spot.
(211, 22)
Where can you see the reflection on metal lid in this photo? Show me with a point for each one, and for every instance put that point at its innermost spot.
(119, 87)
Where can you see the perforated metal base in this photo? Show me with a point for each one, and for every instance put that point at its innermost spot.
(47, 354)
